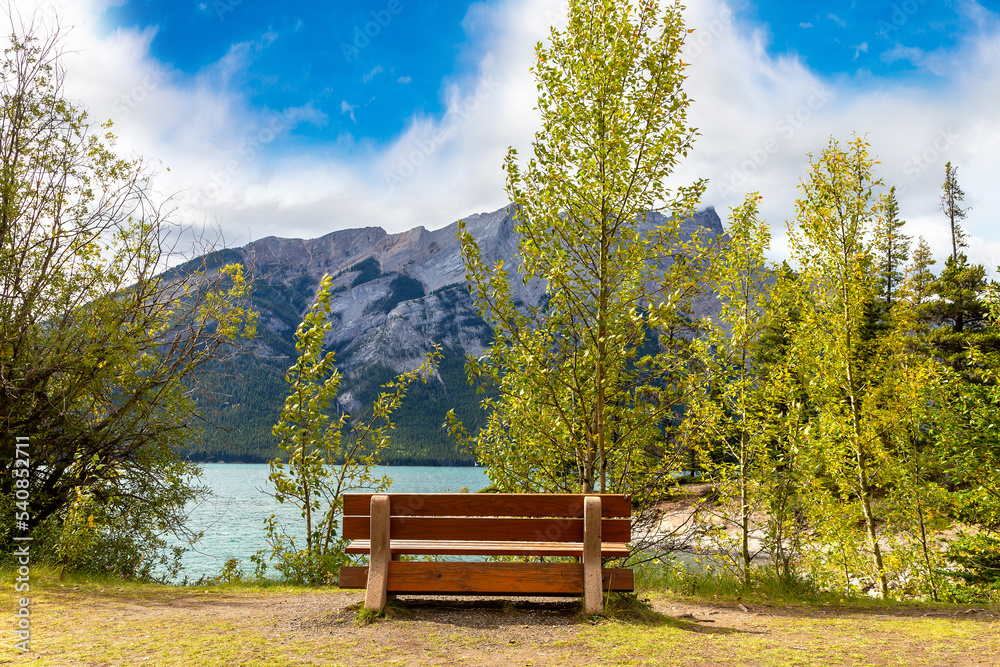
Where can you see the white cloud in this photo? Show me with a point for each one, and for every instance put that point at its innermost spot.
(859, 49)
(306, 114)
(347, 108)
(404, 79)
(836, 19)
(759, 116)
(372, 74)
(805, 24)
(899, 52)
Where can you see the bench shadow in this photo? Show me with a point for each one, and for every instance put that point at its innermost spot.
(502, 613)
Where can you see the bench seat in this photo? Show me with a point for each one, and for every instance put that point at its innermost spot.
(488, 548)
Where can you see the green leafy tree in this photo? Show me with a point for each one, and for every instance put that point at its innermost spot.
(735, 417)
(875, 402)
(855, 390)
(586, 387)
(100, 350)
(786, 379)
(321, 464)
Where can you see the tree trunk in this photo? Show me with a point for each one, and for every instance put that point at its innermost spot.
(864, 488)
(923, 544)
(744, 509)
(745, 529)
(866, 505)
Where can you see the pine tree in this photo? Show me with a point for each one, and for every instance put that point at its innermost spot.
(892, 248)
(919, 283)
(960, 315)
(951, 199)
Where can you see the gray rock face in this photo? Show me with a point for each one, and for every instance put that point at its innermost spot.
(377, 321)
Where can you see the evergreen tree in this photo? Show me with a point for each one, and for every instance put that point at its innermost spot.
(959, 316)
(919, 283)
(951, 199)
(892, 247)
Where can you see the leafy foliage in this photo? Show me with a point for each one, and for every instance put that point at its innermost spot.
(584, 389)
(976, 563)
(859, 377)
(733, 417)
(99, 349)
(321, 465)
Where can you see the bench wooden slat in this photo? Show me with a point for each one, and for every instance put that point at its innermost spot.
(489, 504)
(487, 578)
(490, 548)
(501, 529)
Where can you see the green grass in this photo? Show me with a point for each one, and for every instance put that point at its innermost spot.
(46, 577)
(703, 580)
(87, 620)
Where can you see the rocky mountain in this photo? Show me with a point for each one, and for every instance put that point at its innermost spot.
(395, 296)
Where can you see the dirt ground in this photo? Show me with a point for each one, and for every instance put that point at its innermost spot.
(178, 626)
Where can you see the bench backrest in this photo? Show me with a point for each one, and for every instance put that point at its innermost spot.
(529, 517)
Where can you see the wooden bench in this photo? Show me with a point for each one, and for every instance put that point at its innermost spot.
(588, 527)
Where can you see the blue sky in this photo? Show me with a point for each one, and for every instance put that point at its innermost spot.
(296, 118)
(368, 66)
(862, 39)
(365, 66)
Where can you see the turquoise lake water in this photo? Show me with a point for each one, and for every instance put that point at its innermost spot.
(232, 519)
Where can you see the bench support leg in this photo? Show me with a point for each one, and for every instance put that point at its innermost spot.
(378, 562)
(593, 600)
